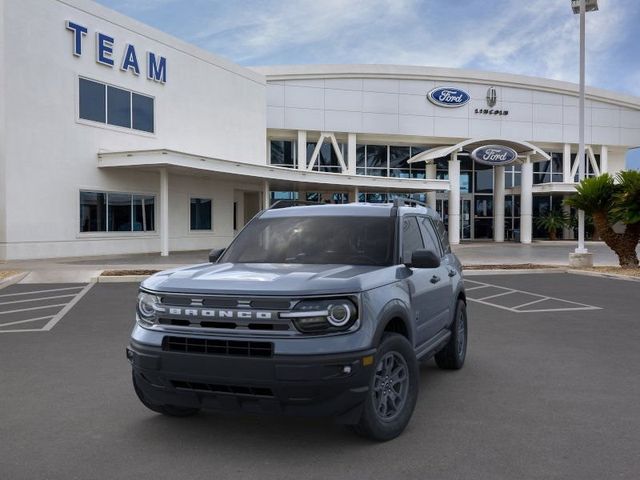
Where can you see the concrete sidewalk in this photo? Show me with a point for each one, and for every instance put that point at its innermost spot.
(83, 269)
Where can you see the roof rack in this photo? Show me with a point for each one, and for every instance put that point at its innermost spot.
(406, 201)
(291, 203)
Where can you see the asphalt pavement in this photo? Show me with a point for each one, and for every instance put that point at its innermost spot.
(544, 394)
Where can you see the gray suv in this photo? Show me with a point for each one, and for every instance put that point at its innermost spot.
(312, 310)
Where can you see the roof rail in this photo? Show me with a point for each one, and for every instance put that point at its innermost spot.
(291, 203)
(406, 201)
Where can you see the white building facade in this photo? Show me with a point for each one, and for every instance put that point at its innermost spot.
(117, 138)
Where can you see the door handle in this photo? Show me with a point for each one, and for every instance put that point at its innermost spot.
(435, 279)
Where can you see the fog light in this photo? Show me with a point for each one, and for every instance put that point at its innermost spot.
(346, 369)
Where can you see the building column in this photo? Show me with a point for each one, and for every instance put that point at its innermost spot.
(351, 153)
(431, 173)
(164, 212)
(604, 159)
(454, 199)
(498, 204)
(301, 152)
(526, 202)
(356, 194)
(266, 195)
(566, 164)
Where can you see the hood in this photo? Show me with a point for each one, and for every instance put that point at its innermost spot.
(270, 279)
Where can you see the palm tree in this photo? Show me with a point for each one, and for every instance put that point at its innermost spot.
(552, 221)
(609, 202)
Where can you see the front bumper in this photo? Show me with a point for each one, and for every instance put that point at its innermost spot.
(305, 385)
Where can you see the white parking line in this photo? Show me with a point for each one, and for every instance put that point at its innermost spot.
(38, 299)
(41, 291)
(53, 319)
(520, 308)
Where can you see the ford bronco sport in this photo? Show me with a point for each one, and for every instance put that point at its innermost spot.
(312, 310)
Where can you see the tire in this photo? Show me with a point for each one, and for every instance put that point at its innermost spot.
(452, 356)
(169, 410)
(385, 415)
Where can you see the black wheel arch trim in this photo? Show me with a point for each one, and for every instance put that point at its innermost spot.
(392, 310)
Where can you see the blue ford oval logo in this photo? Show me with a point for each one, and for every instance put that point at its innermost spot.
(494, 155)
(448, 97)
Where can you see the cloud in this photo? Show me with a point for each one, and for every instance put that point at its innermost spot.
(533, 37)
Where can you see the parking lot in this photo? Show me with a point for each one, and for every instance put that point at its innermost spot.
(551, 389)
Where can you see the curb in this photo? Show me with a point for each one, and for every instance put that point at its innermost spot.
(613, 276)
(12, 279)
(518, 271)
(120, 279)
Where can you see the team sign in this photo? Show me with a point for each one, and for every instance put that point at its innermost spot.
(156, 65)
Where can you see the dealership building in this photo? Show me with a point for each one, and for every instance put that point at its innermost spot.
(118, 138)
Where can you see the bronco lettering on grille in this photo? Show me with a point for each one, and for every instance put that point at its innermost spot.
(217, 313)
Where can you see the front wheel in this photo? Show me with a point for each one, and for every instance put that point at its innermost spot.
(452, 356)
(393, 390)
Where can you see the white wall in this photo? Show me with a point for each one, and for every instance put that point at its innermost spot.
(385, 105)
(208, 106)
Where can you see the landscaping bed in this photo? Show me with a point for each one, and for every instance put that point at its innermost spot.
(125, 273)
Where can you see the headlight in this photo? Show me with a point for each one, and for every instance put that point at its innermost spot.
(147, 308)
(323, 316)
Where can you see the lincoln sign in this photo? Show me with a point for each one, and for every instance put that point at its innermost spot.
(494, 155)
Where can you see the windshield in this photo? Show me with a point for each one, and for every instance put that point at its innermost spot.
(317, 240)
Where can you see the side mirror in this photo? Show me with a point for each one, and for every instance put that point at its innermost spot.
(424, 259)
(215, 254)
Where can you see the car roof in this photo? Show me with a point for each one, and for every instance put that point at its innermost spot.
(347, 210)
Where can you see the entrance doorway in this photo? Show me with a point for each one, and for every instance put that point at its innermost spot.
(466, 218)
(476, 220)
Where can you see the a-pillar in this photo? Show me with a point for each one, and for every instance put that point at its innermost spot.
(498, 204)
(164, 212)
(431, 173)
(454, 199)
(526, 202)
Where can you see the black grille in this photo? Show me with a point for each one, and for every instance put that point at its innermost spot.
(215, 388)
(217, 347)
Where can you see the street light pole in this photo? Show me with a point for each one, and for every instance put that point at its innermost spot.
(581, 257)
(581, 160)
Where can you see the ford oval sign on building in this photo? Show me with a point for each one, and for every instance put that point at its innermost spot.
(494, 155)
(448, 97)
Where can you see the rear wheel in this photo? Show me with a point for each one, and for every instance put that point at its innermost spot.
(169, 410)
(452, 356)
(393, 390)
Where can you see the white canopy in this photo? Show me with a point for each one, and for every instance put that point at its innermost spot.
(522, 148)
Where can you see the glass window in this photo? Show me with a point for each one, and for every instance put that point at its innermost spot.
(92, 101)
(429, 236)
(115, 106)
(201, 214)
(143, 213)
(119, 212)
(483, 178)
(441, 229)
(118, 107)
(398, 166)
(142, 112)
(93, 212)
(483, 205)
(315, 240)
(283, 153)
(360, 156)
(377, 156)
(411, 238)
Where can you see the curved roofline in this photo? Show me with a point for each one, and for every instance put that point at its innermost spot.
(412, 72)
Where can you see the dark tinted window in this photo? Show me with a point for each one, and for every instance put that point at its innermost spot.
(118, 107)
(283, 153)
(315, 240)
(444, 236)
(411, 238)
(143, 213)
(430, 237)
(93, 212)
(92, 101)
(119, 212)
(200, 214)
(142, 112)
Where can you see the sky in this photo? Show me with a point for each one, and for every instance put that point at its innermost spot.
(529, 37)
